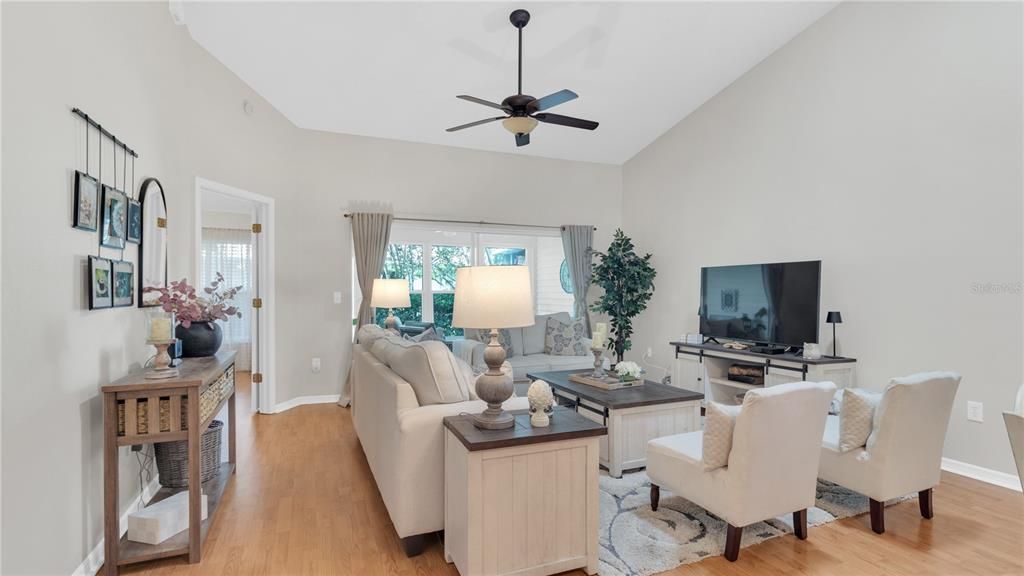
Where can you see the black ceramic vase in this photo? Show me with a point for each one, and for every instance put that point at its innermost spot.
(200, 339)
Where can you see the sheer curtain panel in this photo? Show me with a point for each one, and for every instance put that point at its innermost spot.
(230, 253)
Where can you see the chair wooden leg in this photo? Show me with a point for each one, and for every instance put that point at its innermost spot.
(878, 516)
(655, 495)
(800, 524)
(732, 542)
(924, 499)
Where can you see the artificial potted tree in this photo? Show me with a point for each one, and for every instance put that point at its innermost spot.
(628, 283)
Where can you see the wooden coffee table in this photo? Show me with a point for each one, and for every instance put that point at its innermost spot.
(633, 415)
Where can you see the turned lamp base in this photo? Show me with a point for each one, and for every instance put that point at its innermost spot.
(494, 387)
(162, 361)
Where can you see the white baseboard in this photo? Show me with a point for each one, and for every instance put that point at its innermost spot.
(94, 561)
(983, 474)
(303, 400)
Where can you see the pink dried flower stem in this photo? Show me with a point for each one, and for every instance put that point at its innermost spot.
(181, 299)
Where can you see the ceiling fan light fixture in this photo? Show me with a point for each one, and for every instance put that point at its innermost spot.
(519, 124)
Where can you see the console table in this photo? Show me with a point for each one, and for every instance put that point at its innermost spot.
(633, 415)
(704, 368)
(141, 411)
(522, 500)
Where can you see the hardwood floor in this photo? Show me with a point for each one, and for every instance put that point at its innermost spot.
(304, 502)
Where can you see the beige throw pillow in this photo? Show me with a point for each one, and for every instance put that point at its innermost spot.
(719, 421)
(432, 371)
(856, 417)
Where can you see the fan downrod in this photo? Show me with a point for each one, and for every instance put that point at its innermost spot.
(519, 18)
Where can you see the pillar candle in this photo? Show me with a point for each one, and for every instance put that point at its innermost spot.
(160, 329)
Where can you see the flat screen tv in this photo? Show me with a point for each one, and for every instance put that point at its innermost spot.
(764, 303)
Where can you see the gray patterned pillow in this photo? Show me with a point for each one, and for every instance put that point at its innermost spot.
(565, 339)
(484, 335)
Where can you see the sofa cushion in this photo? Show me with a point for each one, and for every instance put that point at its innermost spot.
(432, 371)
(504, 339)
(384, 348)
(565, 338)
(533, 336)
(719, 421)
(856, 417)
(369, 333)
(426, 335)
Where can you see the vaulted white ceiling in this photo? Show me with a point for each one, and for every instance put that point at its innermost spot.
(392, 70)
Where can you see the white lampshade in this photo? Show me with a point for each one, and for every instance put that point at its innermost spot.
(390, 293)
(493, 297)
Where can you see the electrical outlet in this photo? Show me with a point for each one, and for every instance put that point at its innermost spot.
(337, 297)
(975, 411)
(649, 353)
(316, 366)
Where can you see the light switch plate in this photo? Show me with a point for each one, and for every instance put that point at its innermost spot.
(316, 366)
(337, 297)
(975, 411)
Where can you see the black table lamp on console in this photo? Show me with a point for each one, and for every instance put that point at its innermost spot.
(834, 318)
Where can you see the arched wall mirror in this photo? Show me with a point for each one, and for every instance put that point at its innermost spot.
(153, 248)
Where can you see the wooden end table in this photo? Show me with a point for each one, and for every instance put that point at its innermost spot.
(522, 500)
(633, 415)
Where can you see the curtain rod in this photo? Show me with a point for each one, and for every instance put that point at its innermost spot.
(476, 222)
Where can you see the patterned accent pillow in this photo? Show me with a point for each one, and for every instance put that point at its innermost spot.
(484, 335)
(856, 417)
(719, 421)
(565, 339)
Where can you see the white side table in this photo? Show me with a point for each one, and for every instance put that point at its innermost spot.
(522, 500)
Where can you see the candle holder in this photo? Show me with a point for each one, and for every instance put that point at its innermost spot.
(598, 363)
(162, 361)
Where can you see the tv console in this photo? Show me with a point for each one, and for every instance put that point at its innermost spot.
(704, 368)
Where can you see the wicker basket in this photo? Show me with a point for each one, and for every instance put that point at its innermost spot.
(172, 458)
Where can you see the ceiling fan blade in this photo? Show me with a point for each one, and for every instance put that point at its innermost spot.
(484, 102)
(566, 121)
(552, 100)
(477, 123)
(522, 139)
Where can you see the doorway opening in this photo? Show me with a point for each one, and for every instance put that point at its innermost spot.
(233, 229)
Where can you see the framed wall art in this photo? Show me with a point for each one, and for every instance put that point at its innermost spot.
(123, 283)
(134, 221)
(100, 283)
(87, 202)
(115, 217)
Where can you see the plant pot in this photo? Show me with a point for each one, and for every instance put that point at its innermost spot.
(200, 339)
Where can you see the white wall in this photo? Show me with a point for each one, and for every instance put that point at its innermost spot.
(885, 140)
(145, 79)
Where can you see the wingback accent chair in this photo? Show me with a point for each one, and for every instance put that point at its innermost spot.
(903, 453)
(772, 467)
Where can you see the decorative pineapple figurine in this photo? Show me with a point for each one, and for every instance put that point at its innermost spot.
(542, 403)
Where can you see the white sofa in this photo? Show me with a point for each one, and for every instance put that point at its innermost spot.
(904, 451)
(772, 466)
(527, 352)
(404, 444)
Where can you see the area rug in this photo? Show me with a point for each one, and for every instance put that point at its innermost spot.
(636, 541)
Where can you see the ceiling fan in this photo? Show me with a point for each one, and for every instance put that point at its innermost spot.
(522, 111)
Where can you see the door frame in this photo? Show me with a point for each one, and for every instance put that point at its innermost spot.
(265, 340)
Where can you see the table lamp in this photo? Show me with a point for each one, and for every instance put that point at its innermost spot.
(390, 294)
(834, 318)
(489, 298)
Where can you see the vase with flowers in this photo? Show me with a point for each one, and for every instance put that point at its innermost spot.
(628, 371)
(197, 315)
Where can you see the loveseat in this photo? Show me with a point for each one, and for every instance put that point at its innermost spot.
(399, 425)
(528, 352)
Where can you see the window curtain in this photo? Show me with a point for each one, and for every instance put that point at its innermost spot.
(577, 243)
(230, 253)
(371, 232)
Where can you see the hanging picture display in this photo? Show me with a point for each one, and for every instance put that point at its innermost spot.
(100, 289)
(87, 202)
(123, 283)
(134, 221)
